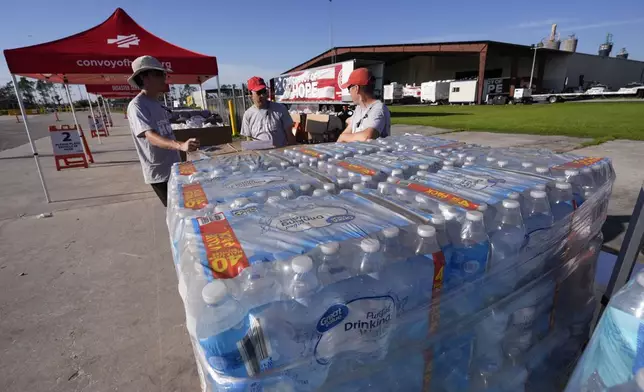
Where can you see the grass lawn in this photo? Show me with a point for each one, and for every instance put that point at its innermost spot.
(600, 121)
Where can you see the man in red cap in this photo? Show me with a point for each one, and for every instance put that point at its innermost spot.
(371, 117)
(266, 120)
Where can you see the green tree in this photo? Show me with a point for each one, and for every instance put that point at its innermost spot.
(43, 91)
(27, 89)
(8, 97)
(186, 90)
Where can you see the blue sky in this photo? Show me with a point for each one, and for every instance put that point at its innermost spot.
(266, 37)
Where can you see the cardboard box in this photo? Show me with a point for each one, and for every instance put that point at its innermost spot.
(210, 136)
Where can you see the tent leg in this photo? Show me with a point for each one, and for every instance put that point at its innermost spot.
(31, 142)
(203, 98)
(78, 128)
(221, 102)
(109, 111)
(165, 100)
(106, 117)
(94, 119)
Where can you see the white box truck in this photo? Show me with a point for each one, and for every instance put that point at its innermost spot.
(393, 92)
(435, 91)
(462, 91)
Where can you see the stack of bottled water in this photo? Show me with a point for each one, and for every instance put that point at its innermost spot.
(407, 263)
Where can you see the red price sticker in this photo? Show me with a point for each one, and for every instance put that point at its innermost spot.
(194, 197)
(579, 163)
(225, 255)
(187, 168)
(446, 197)
(312, 153)
(357, 168)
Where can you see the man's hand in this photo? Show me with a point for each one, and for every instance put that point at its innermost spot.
(190, 145)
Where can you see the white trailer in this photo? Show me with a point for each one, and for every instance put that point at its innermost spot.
(462, 91)
(393, 92)
(632, 90)
(435, 91)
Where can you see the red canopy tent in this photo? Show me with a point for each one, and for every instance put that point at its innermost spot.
(104, 55)
(115, 89)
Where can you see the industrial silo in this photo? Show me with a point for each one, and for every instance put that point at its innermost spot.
(553, 41)
(570, 44)
(606, 47)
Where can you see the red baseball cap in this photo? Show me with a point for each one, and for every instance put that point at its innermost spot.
(359, 77)
(256, 84)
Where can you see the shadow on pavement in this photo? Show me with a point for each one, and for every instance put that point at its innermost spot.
(427, 114)
(113, 163)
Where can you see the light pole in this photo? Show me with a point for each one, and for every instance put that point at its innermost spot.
(534, 60)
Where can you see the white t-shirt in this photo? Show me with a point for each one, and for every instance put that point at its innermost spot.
(374, 116)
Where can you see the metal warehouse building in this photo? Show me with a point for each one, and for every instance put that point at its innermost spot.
(554, 69)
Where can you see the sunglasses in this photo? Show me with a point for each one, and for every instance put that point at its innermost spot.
(261, 92)
(157, 73)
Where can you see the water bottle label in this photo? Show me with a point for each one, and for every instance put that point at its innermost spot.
(357, 168)
(186, 168)
(480, 182)
(316, 217)
(193, 197)
(445, 197)
(310, 152)
(360, 325)
(223, 252)
(252, 182)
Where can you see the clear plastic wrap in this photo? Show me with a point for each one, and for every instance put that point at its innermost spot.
(399, 286)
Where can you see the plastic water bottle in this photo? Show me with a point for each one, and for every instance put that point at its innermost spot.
(368, 182)
(273, 200)
(372, 260)
(240, 202)
(354, 178)
(221, 313)
(582, 185)
(391, 243)
(259, 197)
(538, 215)
(331, 267)
(426, 203)
(405, 195)
(441, 236)
(320, 193)
(330, 188)
(304, 281)
(470, 254)
(397, 173)
(561, 201)
(343, 183)
(386, 189)
(259, 286)
(614, 353)
(357, 187)
(508, 234)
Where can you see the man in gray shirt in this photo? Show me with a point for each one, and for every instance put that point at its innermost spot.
(154, 140)
(371, 118)
(266, 120)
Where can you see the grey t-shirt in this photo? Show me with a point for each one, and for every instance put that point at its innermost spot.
(147, 114)
(268, 123)
(374, 116)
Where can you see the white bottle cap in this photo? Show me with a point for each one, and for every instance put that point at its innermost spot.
(286, 193)
(420, 198)
(447, 163)
(252, 167)
(330, 247)
(537, 194)
(329, 187)
(241, 201)
(563, 185)
(423, 166)
(404, 167)
(453, 159)
(397, 172)
(461, 155)
(214, 292)
(502, 163)
(353, 174)
(482, 207)
(366, 178)
(586, 170)
(219, 172)
(343, 181)
(514, 195)
(437, 220)
(313, 160)
(640, 278)
(338, 156)
(382, 186)
(437, 151)
(542, 170)
(273, 200)
(305, 187)
(390, 232)
(261, 194)
(370, 245)
(221, 208)
(422, 173)
(402, 191)
(270, 169)
(302, 165)
(571, 172)
(426, 231)
(474, 216)
(392, 180)
(321, 165)
(468, 164)
(490, 159)
(362, 152)
(320, 193)
(357, 187)
(301, 264)
(470, 159)
(540, 187)
(639, 379)
(509, 203)
(527, 165)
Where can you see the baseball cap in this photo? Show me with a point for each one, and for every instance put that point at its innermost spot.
(256, 84)
(359, 77)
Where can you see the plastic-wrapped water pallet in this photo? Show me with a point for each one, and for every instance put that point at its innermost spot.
(442, 271)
